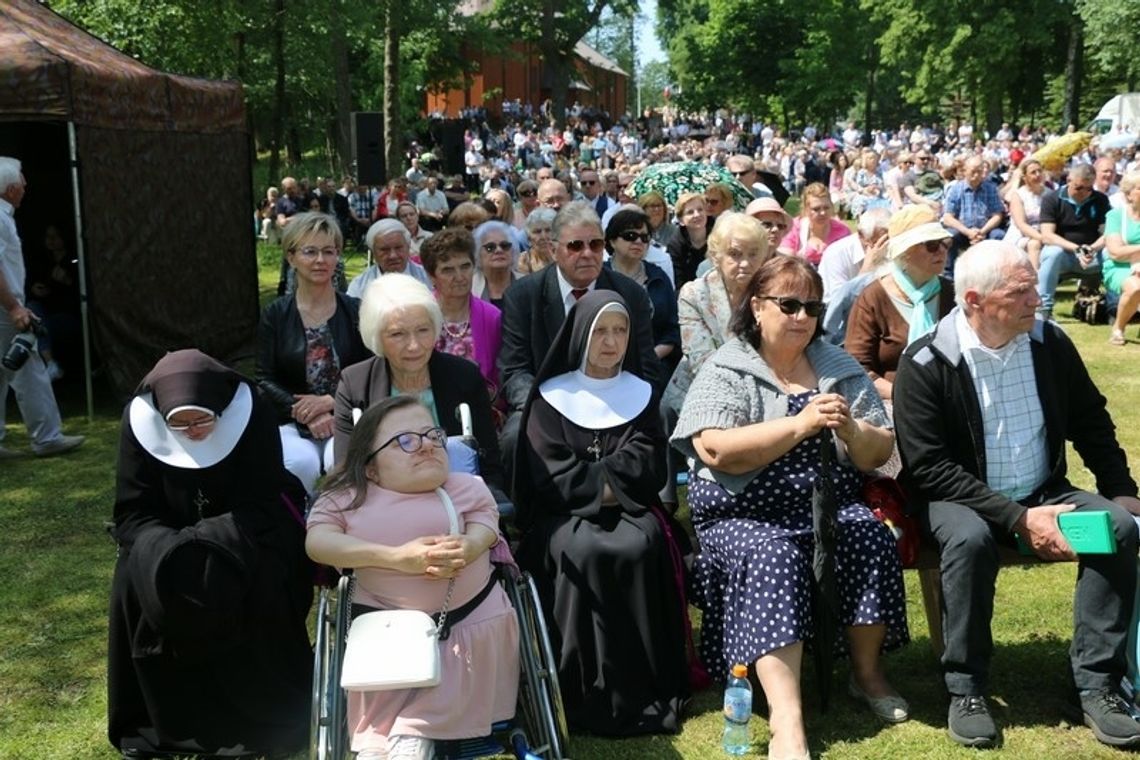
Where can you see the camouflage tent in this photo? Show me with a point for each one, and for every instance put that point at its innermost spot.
(162, 217)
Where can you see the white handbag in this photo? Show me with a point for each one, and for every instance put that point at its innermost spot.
(396, 649)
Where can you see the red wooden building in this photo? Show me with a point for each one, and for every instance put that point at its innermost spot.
(519, 73)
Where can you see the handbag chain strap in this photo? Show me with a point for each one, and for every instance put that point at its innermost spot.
(453, 521)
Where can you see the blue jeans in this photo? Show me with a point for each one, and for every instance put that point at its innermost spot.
(1056, 262)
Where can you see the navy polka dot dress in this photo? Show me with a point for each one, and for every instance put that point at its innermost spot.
(753, 576)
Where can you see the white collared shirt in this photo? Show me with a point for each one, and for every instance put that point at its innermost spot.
(1017, 454)
(565, 287)
(11, 252)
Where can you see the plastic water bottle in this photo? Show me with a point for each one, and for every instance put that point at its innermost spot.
(737, 711)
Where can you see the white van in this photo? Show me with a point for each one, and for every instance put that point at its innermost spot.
(1120, 113)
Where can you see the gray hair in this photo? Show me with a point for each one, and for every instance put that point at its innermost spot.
(10, 170)
(573, 214)
(873, 219)
(540, 215)
(388, 294)
(386, 227)
(494, 225)
(1082, 171)
(307, 224)
(983, 268)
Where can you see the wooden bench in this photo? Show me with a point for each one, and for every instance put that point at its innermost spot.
(930, 581)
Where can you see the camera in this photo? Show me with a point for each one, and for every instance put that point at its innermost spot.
(23, 345)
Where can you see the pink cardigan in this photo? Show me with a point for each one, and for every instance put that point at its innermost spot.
(487, 329)
(796, 241)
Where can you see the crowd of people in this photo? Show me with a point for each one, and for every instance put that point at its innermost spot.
(607, 341)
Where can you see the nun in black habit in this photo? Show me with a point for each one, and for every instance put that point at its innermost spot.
(590, 463)
(208, 650)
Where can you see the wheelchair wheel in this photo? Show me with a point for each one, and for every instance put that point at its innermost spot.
(540, 700)
(328, 737)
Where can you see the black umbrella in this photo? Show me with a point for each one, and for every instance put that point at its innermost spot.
(825, 592)
(775, 183)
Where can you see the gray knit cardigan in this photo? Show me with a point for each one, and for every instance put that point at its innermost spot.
(735, 387)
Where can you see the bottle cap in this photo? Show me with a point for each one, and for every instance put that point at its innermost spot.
(739, 671)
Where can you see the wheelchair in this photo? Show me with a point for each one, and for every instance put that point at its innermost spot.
(538, 731)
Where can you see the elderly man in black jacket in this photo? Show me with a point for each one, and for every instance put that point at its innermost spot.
(983, 407)
(535, 307)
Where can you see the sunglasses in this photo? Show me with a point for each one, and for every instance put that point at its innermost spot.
(502, 245)
(792, 306)
(597, 245)
(528, 193)
(630, 236)
(410, 441)
(934, 246)
(588, 182)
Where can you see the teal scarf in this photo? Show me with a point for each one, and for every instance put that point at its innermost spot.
(920, 319)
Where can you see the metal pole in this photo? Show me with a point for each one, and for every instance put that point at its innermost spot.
(82, 256)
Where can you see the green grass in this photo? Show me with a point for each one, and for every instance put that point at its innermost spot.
(57, 560)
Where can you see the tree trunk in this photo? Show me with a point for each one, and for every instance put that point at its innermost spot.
(393, 132)
(872, 67)
(993, 112)
(277, 129)
(342, 86)
(1074, 72)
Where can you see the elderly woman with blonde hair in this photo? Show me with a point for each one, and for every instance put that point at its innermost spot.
(400, 321)
(737, 247)
(904, 302)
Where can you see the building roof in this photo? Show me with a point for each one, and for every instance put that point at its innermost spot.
(594, 58)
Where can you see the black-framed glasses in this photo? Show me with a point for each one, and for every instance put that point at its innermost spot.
(791, 306)
(588, 182)
(412, 441)
(185, 427)
(502, 245)
(632, 236)
(597, 245)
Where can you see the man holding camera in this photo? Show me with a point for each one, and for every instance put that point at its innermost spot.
(30, 378)
(1072, 229)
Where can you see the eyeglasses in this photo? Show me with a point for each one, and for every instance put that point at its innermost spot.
(934, 246)
(528, 193)
(742, 173)
(630, 236)
(712, 201)
(773, 225)
(792, 306)
(502, 245)
(588, 182)
(411, 441)
(597, 245)
(185, 427)
(311, 252)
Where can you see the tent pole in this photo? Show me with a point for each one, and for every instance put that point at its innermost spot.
(82, 269)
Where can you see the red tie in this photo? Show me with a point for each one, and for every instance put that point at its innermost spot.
(579, 292)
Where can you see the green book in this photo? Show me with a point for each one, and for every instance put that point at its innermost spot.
(1086, 532)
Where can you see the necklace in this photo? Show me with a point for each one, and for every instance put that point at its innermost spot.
(456, 330)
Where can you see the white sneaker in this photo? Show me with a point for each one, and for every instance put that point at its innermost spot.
(372, 754)
(411, 747)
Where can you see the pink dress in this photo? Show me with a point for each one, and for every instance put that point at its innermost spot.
(797, 237)
(479, 662)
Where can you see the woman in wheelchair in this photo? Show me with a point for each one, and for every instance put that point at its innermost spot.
(400, 321)
(590, 464)
(380, 514)
(208, 650)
